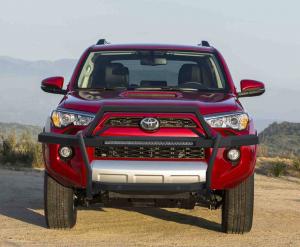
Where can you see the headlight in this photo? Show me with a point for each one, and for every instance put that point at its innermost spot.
(238, 121)
(62, 118)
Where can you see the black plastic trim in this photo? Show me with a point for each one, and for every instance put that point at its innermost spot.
(148, 188)
(72, 140)
(88, 170)
(217, 142)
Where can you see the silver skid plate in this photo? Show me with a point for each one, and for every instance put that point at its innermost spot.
(157, 172)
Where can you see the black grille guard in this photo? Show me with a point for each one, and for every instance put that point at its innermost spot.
(86, 137)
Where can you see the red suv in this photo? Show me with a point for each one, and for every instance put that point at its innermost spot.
(151, 125)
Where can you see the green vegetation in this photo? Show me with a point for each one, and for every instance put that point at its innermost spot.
(296, 163)
(18, 145)
(278, 169)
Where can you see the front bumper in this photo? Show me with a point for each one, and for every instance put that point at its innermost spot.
(128, 180)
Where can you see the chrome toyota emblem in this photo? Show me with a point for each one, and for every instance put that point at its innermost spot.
(149, 123)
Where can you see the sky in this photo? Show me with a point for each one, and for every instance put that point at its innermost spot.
(260, 39)
(257, 34)
(35, 29)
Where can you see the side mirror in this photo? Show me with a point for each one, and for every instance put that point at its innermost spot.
(251, 88)
(53, 85)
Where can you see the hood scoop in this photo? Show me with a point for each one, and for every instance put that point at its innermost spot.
(151, 94)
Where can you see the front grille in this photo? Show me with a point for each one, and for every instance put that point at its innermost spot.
(164, 122)
(153, 152)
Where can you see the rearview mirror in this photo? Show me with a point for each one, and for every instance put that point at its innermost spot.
(153, 61)
(251, 88)
(53, 85)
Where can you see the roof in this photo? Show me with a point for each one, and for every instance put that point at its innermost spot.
(169, 47)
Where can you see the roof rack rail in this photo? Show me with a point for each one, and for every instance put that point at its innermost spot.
(204, 43)
(102, 42)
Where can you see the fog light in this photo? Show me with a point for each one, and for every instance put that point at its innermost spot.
(233, 154)
(65, 152)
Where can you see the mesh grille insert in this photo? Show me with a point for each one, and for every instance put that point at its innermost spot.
(164, 122)
(150, 152)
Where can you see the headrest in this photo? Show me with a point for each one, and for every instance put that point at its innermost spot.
(116, 75)
(109, 75)
(189, 73)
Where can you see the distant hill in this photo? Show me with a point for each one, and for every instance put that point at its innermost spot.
(281, 139)
(11, 67)
(22, 100)
(7, 128)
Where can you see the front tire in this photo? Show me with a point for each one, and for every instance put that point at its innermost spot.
(237, 208)
(60, 210)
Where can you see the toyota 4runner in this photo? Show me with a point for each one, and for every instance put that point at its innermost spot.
(150, 125)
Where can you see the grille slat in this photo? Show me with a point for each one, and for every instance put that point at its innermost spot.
(164, 122)
(162, 152)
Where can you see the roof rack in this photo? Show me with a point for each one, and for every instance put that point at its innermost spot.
(102, 42)
(204, 43)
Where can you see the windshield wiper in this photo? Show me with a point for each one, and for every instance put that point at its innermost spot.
(150, 89)
(183, 89)
(193, 89)
(103, 89)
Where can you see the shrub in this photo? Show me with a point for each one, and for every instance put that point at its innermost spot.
(23, 150)
(278, 169)
(8, 148)
(296, 163)
(37, 157)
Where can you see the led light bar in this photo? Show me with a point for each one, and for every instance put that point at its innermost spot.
(149, 143)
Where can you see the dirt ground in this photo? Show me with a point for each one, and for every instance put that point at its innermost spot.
(276, 219)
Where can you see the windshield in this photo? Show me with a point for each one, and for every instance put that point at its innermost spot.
(151, 70)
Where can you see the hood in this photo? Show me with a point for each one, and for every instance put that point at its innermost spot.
(208, 103)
